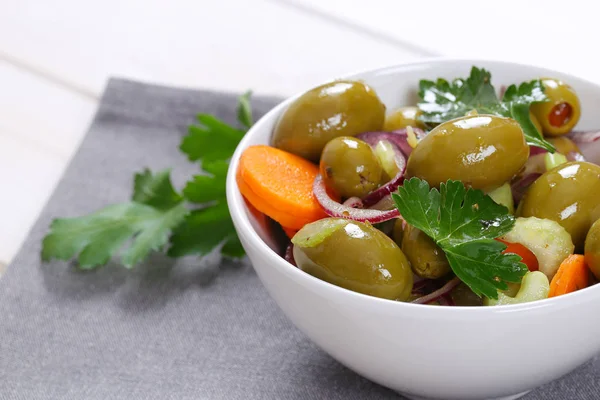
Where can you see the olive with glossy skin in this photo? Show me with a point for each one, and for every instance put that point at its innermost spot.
(592, 249)
(398, 231)
(463, 296)
(568, 194)
(427, 260)
(559, 115)
(340, 108)
(349, 166)
(355, 256)
(482, 151)
(564, 145)
(401, 118)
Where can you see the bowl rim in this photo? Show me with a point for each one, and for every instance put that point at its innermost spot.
(236, 205)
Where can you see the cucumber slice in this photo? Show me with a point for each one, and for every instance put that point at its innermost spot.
(547, 239)
(503, 196)
(534, 286)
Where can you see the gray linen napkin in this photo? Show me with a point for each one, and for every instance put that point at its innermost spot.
(166, 330)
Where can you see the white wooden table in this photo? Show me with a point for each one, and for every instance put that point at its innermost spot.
(55, 58)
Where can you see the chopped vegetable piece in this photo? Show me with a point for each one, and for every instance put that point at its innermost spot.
(279, 184)
(333, 208)
(572, 275)
(549, 241)
(534, 286)
(554, 160)
(411, 137)
(527, 256)
(504, 196)
(386, 154)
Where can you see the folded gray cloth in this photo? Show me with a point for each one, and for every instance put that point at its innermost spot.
(183, 329)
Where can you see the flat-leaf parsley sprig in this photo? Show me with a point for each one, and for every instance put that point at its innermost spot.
(442, 101)
(464, 223)
(193, 222)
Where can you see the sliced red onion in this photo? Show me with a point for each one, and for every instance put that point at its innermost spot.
(354, 202)
(502, 91)
(433, 296)
(584, 137)
(534, 150)
(520, 186)
(442, 301)
(372, 138)
(399, 138)
(535, 164)
(289, 254)
(575, 156)
(445, 300)
(335, 209)
(588, 143)
(419, 285)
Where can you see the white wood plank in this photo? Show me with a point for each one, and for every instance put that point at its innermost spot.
(41, 125)
(549, 33)
(228, 45)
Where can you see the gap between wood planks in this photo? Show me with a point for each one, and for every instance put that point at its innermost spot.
(47, 75)
(380, 36)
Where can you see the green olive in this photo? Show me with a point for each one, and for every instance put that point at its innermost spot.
(427, 260)
(349, 166)
(568, 194)
(564, 145)
(401, 118)
(398, 231)
(482, 151)
(463, 296)
(340, 108)
(592, 249)
(559, 115)
(355, 256)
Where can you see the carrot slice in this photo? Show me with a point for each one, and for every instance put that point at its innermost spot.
(527, 256)
(572, 275)
(280, 185)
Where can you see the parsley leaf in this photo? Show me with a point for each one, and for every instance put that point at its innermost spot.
(96, 237)
(212, 140)
(205, 229)
(464, 223)
(209, 186)
(210, 226)
(442, 101)
(244, 111)
(155, 190)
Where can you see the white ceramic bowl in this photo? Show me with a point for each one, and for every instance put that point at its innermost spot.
(424, 351)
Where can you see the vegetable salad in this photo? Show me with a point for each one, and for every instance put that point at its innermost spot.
(473, 197)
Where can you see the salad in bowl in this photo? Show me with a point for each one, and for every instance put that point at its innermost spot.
(432, 226)
(472, 196)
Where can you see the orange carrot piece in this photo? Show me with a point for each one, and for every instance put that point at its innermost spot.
(572, 275)
(280, 185)
(527, 256)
